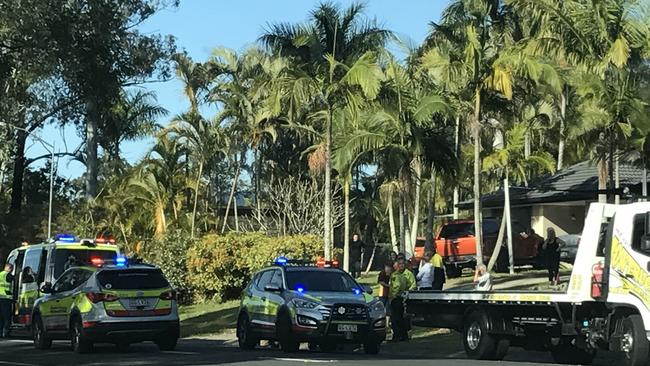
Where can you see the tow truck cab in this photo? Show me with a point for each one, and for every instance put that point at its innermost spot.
(37, 264)
(605, 305)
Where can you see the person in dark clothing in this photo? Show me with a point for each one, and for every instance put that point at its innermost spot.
(384, 283)
(6, 299)
(551, 249)
(357, 248)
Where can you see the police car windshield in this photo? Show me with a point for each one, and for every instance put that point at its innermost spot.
(320, 280)
(66, 258)
(132, 279)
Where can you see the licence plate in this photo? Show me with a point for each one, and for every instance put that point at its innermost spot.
(138, 302)
(347, 328)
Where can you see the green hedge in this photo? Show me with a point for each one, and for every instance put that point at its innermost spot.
(219, 266)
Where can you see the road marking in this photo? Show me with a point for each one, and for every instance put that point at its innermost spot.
(180, 353)
(303, 360)
(457, 354)
(18, 341)
(17, 363)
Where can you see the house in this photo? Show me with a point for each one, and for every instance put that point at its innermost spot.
(559, 201)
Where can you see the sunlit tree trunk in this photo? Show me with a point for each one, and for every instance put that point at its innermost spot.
(196, 197)
(602, 179)
(327, 210)
(617, 177)
(478, 235)
(230, 197)
(456, 154)
(431, 203)
(346, 224)
(391, 223)
(402, 223)
(509, 233)
(417, 168)
(560, 145)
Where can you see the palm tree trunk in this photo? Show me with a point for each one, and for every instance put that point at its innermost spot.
(602, 179)
(477, 177)
(230, 197)
(456, 154)
(258, 173)
(402, 223)
(509, 233)
(560, 145)
(617, 177)
(644, 183)
(196, 197)
(346, 228)
(391, 223)
(428, 245)
(417, 167)
(526, 144)
(327, 214)
(18, 178)
(499, 243)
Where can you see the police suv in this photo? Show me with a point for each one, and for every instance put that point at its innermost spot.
(294, 301)
(37, 264)
(117, 303)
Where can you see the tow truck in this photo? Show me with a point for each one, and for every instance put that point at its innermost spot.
(606, 304)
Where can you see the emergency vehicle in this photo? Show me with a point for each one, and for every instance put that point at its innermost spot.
(119, 302)
(605, 306)
(37, 264)
(298, 301)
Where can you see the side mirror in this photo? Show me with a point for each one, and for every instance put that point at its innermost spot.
(367, 289)
(46, 288)
(272, 288)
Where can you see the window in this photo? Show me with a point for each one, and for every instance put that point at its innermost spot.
(32, 265)
(638, 232)
(320, 280)
(490, 227)
(457, 230)
(276, 280)
(79, 277)
(132, 279)
(605, 233)
(265, 279)
(64, 283)
(67, 258)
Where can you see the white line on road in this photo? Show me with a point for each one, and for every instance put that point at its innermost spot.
(303, 360)
(180, 353)
(18, 341)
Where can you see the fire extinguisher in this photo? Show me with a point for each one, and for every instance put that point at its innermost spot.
(597, 280)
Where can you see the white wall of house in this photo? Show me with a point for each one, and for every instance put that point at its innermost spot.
(565, 218)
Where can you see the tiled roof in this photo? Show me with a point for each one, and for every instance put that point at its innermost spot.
(575, 183)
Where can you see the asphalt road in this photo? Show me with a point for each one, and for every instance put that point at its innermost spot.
(217, 352)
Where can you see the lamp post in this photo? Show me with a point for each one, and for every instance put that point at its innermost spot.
(50, 149)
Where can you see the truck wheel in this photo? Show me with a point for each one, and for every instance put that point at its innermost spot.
(479, 344)
(452, 271)
(568, 354)
(634, 344)
(41, 340)
(288, 342)
(245, 339)
(79, 340)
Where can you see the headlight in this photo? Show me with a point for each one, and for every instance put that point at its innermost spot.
(304, 304)
(377, 307)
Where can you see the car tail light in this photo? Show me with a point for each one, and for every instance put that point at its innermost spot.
(96, 261)
(96, 297)
(168, 295)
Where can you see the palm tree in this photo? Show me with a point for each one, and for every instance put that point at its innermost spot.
(464, 49)
(332, 37)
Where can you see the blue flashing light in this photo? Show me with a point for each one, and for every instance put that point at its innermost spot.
(585, 323)
(120, 261)
(300, 289)
(281, 261)
(357, 291)
(65, 238)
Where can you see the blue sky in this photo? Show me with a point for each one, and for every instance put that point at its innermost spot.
(201, 25)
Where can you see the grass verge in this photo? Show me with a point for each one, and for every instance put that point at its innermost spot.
(208, 318)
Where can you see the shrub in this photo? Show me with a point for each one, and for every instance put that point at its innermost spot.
(169, 253)
(219, 266)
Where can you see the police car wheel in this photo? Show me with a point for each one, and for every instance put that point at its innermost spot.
(371, 348)
(479, 344)
(79, 340)
(41, 340)
(288, 342)
(245, 339)
(634, 343)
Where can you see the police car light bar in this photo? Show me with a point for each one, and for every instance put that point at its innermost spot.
(65, 238)
(321, 263)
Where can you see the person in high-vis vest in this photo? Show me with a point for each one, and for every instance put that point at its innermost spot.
(401, 280)
(6, 300)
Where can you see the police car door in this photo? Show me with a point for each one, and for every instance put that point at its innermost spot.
(258, 301)
(274, 299)
(53, 308)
